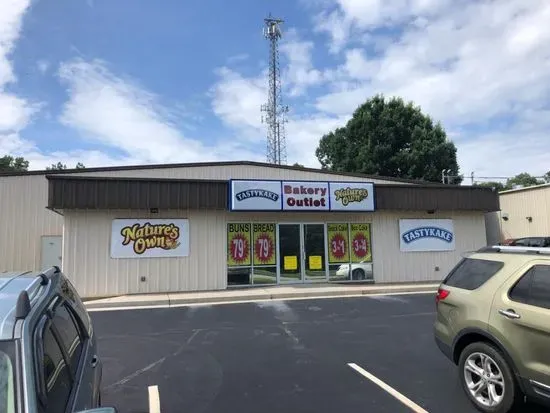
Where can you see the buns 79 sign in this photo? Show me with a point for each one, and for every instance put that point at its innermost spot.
(238, 249)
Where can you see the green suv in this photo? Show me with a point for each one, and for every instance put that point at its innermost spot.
(493, 321)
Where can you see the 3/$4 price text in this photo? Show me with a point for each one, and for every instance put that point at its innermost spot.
(302, 199)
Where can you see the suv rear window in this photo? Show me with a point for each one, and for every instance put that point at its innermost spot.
(7, 384)
(472, 273)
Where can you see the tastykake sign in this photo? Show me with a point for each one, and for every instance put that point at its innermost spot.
(252, 195)
(149, 238)
(426, 235)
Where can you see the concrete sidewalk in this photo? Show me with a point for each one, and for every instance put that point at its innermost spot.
(255, 294)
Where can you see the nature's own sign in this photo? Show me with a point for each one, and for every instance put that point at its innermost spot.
(153, 238)
(426, 235)
(255, 195)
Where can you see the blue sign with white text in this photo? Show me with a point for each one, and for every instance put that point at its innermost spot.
(419, 235)
(427, 232)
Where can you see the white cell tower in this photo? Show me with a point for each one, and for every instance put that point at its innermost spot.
(275, 111)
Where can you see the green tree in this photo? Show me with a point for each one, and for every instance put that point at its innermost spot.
(523, 179)
(9, 163)
(391, 138)
(298, 165)
(499, 186)
(56, 166)
(60, 166)
(547, 177)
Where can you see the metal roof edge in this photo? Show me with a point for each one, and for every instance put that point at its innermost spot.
(212, 164)
(527, 188)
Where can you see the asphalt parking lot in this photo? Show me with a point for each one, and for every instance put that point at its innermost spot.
(279, 356)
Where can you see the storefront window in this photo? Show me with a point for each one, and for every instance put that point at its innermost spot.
(264, 254)
(350, 253)
(251, 253)
(258, 252)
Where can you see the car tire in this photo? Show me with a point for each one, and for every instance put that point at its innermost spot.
(358, 274)
(506, 388)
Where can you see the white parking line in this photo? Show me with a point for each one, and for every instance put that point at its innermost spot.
(407, 402)
(154, 399)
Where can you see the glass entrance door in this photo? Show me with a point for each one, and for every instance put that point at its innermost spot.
(302, 253)
(314, 253)
(290, 253)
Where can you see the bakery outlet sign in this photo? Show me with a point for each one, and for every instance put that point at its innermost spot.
(253, 195)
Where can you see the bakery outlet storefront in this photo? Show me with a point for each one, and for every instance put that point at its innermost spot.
(142, 235)
(322, 250)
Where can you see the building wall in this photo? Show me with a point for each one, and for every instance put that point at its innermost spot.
(88, 263)
(523, 203)
(492, 228)
(226, 172)
(24, 220)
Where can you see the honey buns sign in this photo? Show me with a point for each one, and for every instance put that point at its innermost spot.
(149, 238)
(256, 195)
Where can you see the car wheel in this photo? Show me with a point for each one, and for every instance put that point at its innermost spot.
(358, 274)
(487, 379)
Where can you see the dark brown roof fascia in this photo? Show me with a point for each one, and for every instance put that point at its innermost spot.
(70, 192)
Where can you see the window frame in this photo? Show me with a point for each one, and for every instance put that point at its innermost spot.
(526, 273)
(66, 305)
(45, 322)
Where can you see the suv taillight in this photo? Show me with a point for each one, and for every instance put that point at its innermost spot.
(441, 295)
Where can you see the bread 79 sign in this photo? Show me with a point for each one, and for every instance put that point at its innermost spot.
(264, 244)
(238, 248)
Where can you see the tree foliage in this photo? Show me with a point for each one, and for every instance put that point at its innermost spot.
(60, 166)
(499, 186)
(392, 138)
(521, 180)
(9, 163)
(524, 179)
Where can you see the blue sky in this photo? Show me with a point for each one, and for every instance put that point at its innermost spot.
(108, 82)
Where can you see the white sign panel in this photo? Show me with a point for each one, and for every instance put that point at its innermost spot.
(305, 196)
(255, 195)
(258, 195)
(426, 235)
(351, 196)
(149, 238)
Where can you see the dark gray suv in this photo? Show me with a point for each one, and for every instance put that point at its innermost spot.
(48, 351)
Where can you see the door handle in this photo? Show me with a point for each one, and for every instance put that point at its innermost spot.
(95, 360)
(509, 314)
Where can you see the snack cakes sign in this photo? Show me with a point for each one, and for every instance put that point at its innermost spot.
(149, 238)
(252, 195)
(426, 235)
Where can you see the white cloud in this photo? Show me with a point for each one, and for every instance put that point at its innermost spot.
(478, 66)
(43, 66)
(237, 100)
(119, 113)
(350, 17)
(299, 73)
